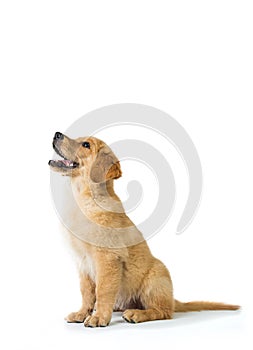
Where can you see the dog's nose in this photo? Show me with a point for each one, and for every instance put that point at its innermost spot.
(58, 136)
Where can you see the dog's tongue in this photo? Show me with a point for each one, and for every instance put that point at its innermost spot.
(66, 162)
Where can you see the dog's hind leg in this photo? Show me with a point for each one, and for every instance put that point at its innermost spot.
(156, 298)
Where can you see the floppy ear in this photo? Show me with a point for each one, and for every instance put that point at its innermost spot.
(105, 167)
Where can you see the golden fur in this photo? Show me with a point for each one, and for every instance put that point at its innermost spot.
(116, 268)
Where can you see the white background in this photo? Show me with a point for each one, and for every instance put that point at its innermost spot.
(192, 59)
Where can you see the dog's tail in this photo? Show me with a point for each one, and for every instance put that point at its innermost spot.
(202, 305)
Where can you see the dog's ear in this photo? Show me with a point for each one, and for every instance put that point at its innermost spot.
(106, 166)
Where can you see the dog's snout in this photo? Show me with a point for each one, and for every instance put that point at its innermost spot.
(58, 136)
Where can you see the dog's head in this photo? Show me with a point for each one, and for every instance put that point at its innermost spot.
(85, 156)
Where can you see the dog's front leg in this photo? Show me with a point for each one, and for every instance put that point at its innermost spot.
(87, 287)
(108, 279)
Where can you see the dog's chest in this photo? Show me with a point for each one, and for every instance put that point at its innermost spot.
(81, 254)
(85, 264)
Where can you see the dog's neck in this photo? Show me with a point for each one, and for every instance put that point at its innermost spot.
(87, 188)
(96, 197)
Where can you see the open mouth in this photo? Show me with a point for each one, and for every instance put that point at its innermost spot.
(63, 163)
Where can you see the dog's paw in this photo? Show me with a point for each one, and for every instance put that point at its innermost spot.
(132, 316)
(76, 317)
(96, 320)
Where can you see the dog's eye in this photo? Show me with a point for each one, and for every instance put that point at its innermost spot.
(86, 144)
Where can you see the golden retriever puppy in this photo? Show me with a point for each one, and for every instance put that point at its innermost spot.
(116, 268)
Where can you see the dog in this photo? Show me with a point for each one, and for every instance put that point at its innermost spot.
(116, 268)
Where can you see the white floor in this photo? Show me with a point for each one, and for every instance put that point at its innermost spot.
(200, 330)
